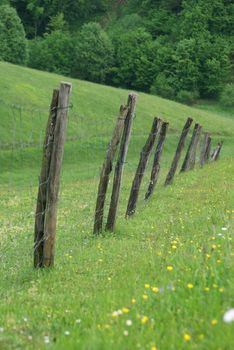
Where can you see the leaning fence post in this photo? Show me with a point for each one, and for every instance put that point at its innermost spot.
(179, 149)
(216, 152)
(107, 168)
(189, 160)
(120, 163)
(43, 180)
(144, 157)
(54, 175)
(204, 149)
(156, 162)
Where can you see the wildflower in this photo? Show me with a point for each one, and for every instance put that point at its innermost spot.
(224, 228)
(145, 296)
(155, 290)
(30, 337)
(147, 286)
(229, 316)
(174, 247)
(206, 289)
(144, 319)
(78, 321)
(214, 322)
(154, 347)
(125, 333)
(221, 290)
(169, 268)
(187, 337)
(66, 333)
(133, 301)
(117, 313)
(190, 285)
(129, 323)
(125, 310)
(46, 339)
(1, 329)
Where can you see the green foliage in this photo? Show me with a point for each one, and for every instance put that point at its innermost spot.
(93, 53)
(134, 60)
(163, 86)
(227, 96)
(187, 97)
(52, 53)
(13, 44)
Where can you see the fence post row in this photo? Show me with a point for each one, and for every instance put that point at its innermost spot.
(45, 226)
(107, 168)
(120, 163)
(179, 149)
(189, 160)
(144, 157)
(156, 162)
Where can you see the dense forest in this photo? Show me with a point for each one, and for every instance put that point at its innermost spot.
(178, 49)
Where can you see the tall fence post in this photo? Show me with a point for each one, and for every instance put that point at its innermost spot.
(120, 163)
(57, 131)
(144, 157)
(208, 150)
(43, 181)
(156, 163)
(107, 168)
(190, 158)
(204, 148)
(179, 149)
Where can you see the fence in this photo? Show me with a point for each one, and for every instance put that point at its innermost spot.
(88, 143)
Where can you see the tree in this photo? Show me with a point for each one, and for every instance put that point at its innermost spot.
(13, 44)
(93, 53)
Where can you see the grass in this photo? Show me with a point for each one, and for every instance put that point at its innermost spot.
(169, 268)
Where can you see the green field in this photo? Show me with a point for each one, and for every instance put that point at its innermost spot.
(169, 269)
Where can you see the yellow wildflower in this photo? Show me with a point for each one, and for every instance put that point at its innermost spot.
(169, 268)
(187, 337)
(155, 289)
(144, 319)
(190, 285)
(125, 310)
(133, 301)
(145, 296)
(147, 286)
(214, 322)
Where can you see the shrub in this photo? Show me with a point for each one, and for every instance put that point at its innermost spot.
(227, 96)
(163, 86)
(187, 97)
(13, 44)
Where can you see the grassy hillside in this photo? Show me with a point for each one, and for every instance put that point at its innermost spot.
(169, 269)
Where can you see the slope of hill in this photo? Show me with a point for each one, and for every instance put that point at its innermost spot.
(165, 278)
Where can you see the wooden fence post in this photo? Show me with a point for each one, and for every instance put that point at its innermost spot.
(54, 175)
(216, 152)
(43, 180)
(107, 168)
(179, 149)
(120, 163)
(144, 157)
(208, 150)
(190, 158)
(204, 149)
(156, 162)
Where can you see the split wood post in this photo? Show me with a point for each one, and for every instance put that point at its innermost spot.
(54, 175)
(120, 163)
(156, 163)
(216, 153)
(204, 148)
(179, 149)
(43, 180)
(208, 150)
(107, 168)
(189, 160)
(144, 157)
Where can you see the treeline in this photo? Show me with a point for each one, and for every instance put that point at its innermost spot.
(178, 49)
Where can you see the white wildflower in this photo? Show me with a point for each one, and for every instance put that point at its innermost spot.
(228, 317)
(129, 323)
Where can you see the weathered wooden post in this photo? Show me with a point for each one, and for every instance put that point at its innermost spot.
(189, 160)
(120, 163)
(43, 181)
(144, 157)
(107, 168)
(208, 150)
(156, 163)
(216, 153)
(45, 227)
(204, 148)
(179, 149)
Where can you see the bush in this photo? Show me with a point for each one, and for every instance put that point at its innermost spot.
(93, 54)
(187, 97)
(227, 96)
(52, 53)
(13, 44)
(163, 86)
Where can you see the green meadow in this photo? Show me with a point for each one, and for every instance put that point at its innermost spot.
(164, 279)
